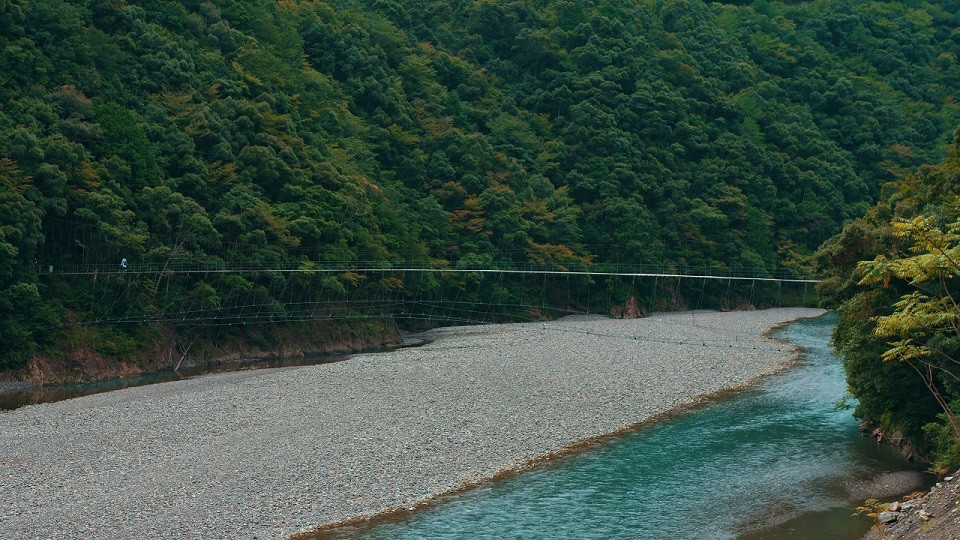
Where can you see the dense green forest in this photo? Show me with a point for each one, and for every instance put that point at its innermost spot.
(555, 134)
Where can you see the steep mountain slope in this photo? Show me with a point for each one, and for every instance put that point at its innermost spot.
(550, 133)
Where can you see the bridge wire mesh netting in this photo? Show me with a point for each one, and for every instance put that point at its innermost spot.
(414, 296)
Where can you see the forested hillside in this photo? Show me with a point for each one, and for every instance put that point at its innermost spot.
(448, 132)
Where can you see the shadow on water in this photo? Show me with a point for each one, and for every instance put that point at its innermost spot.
(18, 395)
(778, 461)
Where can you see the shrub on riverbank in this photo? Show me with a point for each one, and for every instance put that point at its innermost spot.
(895, 274)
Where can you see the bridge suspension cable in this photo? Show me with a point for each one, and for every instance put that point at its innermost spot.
(194, 297)
(132, 270)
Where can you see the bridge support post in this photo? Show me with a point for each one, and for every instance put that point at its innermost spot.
(653, 301)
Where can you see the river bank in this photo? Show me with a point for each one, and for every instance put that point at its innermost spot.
(74, 361)
(932, 515)
(265, 453)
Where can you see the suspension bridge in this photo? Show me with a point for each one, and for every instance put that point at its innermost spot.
(201, 294)
(110, 281)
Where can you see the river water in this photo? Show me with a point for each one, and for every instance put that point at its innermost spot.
(772, 462)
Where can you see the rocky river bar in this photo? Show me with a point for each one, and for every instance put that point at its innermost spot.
(268, 453)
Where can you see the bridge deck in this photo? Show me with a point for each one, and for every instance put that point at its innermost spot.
(154, 270)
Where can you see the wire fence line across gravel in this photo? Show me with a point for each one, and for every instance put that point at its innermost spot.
(263, 454)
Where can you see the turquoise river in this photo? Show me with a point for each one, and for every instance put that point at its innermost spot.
(776, 461)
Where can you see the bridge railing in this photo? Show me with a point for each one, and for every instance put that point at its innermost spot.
(176, 266)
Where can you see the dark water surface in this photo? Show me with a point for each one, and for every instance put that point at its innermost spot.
(772, 462)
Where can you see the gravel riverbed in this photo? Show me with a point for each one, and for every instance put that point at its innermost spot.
(267, 453)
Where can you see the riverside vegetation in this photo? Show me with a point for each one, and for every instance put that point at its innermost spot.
(895, 274)
(452, 133)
